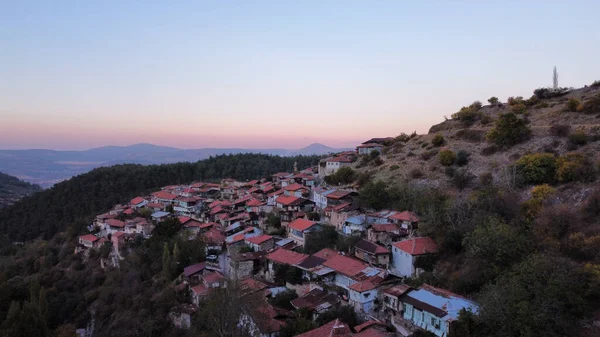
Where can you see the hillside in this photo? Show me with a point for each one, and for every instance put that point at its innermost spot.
(74, 202)
(47, 167)
(416, 159)
(12, 189)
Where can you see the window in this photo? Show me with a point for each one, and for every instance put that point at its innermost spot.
(366, 295)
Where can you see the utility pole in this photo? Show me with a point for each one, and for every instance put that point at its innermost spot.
(555, 79)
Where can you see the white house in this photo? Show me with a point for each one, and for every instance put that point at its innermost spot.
(362, 295)
(299, 230)
(405, 253)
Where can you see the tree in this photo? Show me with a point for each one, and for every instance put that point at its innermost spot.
(345, 313)
(326, 237)
(273, 220)
(283, 299)
(537, 298)
(509, 130)
(375, 195)
(166, 262)
(493, 100)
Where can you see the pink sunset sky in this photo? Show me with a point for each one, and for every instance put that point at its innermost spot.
(280, 74)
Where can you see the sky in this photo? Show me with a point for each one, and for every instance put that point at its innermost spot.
(258, 74)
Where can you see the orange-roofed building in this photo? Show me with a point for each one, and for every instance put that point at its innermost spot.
(405, 253)
(282, 257)
(407, 220)
(261, 242)
(138, 202)
(300, 229)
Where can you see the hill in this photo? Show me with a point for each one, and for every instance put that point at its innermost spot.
(555, 130)
(74, 203)
(12, 189)
(47, 167)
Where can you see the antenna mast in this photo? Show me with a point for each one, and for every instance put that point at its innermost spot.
(555, 79)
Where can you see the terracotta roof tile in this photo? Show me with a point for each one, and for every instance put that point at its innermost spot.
(345, 265)
(257, 240)
(405, 216)
(335, 328)
(417, 246)
(301, 224)
(284, 256)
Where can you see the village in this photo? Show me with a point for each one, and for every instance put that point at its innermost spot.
(256, 233)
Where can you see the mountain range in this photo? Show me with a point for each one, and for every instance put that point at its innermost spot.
(47, 167)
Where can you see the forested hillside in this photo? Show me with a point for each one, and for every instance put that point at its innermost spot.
(76, 201)
(13, 189)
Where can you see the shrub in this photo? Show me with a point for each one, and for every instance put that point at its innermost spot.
(508, 131)
(403, 137)
(377, 161)
(461, 179)
(416, 173)
(559, 130)
(469, 135)
(572, 104)
(541, 105)
(590, 106)
(518, 108)
(438, 140)
(542, 93)
(533, 100)
(462, 158)
(538, 168)
(595, 84)
(493, 100)
(577, 138)
(374, 154)
(515, 100)
(394, 167)
(413, 134)
(447, 157)
(428, 154)
(344, 175)
(574, 167)
(468, 114)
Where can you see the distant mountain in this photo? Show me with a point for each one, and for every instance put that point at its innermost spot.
(47, 167)
(12, 189)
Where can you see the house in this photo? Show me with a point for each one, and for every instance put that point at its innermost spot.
(407, 220)
(362, 295)
(114, 225)
(381, 141)
(290, 206)
(193, 273)
(160, 216)
(180, 315)
(335, 328)
(264, 320)
(243, 265)
(187, 205)
(138, 202)
(433, 309)
(299, 230)
(281, 256)
(355, 225)
(372, 253)
(406, 252)
(214, 239)
(118, 238)
(338, 197)
(331, 165)
(317, 301)
(261, 242)
(296, 190)
(349, 271)
(339, 213)
(365, 149)
(89, 241)
(318, 196)
(385, 234)
(163, 197)
(272, 197)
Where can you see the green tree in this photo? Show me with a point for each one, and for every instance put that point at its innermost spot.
(509, 130)
(537, 168)
(166, 262)
(493, 100)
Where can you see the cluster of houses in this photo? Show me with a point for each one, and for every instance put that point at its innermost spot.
(255, 233)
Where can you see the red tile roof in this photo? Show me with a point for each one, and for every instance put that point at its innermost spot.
(137, 200)
(286, 200)
(154, 205)
(115, 223)
(195, 223)
(363, 286)
(213, 278)
(294, 187)
(417, 246)
(339, 194)
(193, 269)
(341, 207)
(345, 265)
(257, 240)
(285, 256)
(89, 237)
(405, 216)
(199, 289)
(184, 219)
(371, 247)
(164, 195)
(278, 192)
(214, 236)
(341, 159)
(128, 211)
(397, 290)
(334, 328)
(254, 202)
(326, 253)
(301, 224)
(368, 324)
